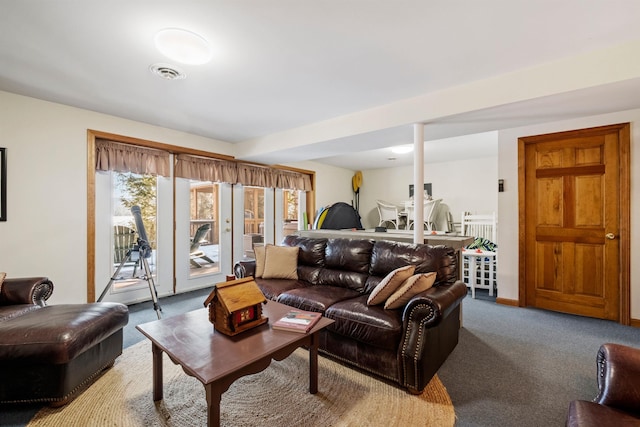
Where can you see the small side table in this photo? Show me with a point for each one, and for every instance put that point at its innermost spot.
(479, 270)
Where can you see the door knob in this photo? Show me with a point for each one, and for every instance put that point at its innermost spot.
(610, 236)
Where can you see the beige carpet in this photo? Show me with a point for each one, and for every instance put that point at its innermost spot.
(277, 396)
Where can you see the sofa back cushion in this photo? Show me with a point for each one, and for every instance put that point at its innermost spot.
(388, 256)
(346, 263)
(310, 256)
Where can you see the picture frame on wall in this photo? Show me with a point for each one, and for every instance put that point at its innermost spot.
(3, 184)
(427, 189)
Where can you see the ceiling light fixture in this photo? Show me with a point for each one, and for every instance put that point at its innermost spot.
(183, 46)
(402, 149)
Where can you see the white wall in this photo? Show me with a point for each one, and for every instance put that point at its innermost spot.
(333, 184)
(46, 230)
(508, 200)
(463, 185)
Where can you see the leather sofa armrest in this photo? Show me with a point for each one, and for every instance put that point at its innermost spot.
(244, 269)
(441, 300)
(619, 377)
(26, 290)
(425, 343)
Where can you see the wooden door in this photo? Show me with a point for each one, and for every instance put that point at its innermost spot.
(575, 215)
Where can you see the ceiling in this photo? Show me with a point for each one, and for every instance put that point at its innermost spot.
(282, 65)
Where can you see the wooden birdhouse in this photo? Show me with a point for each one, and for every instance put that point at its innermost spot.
(235, 306)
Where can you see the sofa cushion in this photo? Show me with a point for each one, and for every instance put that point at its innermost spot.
(387, 256)
(311, 250)
(389, 284)
(411, 287)
(368, 324)
(346, 264)
(272, 288)
(349, 255)
(310, 256)
(315, 298)
(280, 262)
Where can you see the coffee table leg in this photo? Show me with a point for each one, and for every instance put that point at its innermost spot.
(214, 395)
(313, 364)
(157, 372)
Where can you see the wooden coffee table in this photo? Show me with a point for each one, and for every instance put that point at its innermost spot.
(217, 360)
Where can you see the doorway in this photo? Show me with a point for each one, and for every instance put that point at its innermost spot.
(189, 248)
(574, 202)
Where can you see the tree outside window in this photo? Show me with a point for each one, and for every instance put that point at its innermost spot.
(138, 190)
(290, 198)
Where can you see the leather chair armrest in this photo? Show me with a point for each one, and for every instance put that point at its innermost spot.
(619, 377)
(244, 269)
(26, 290)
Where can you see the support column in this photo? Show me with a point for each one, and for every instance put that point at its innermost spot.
(418, 182)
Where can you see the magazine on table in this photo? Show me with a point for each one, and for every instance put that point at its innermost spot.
(297, 321)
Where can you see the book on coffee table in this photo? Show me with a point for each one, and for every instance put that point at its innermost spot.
(297, 321)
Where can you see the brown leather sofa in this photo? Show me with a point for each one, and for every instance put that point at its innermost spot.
(51, 353)
(336, 276)
(618, 400)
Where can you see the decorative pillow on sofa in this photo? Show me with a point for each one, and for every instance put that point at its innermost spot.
(390, 284)
(259, 250)
(2, 276)
(280, 262)
(411, 287)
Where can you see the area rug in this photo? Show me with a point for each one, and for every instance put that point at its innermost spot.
(278, 396)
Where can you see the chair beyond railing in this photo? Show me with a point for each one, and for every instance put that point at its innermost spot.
(212, 237)
(194, 250)
(484, 225)
(124, 239)
(388, 213)
(479, 265)
(430, 213)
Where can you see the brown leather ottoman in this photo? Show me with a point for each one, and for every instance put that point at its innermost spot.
(53, 353)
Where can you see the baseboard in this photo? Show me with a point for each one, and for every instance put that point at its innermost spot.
(504, 301)
(514, 303)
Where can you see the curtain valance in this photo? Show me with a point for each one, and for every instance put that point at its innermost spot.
(291, 180)
(206, 169)
(114, 156)
(121, 157)
(252, 175)
(255, 175)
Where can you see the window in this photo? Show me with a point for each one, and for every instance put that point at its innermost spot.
(254, 210)
(204, 228)
(128, 190)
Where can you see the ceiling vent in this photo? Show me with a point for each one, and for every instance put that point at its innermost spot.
(168, 72)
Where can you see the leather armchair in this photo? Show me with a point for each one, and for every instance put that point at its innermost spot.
(618, 399)
(50, 353)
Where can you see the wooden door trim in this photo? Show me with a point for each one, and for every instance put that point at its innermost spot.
(624, 137)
